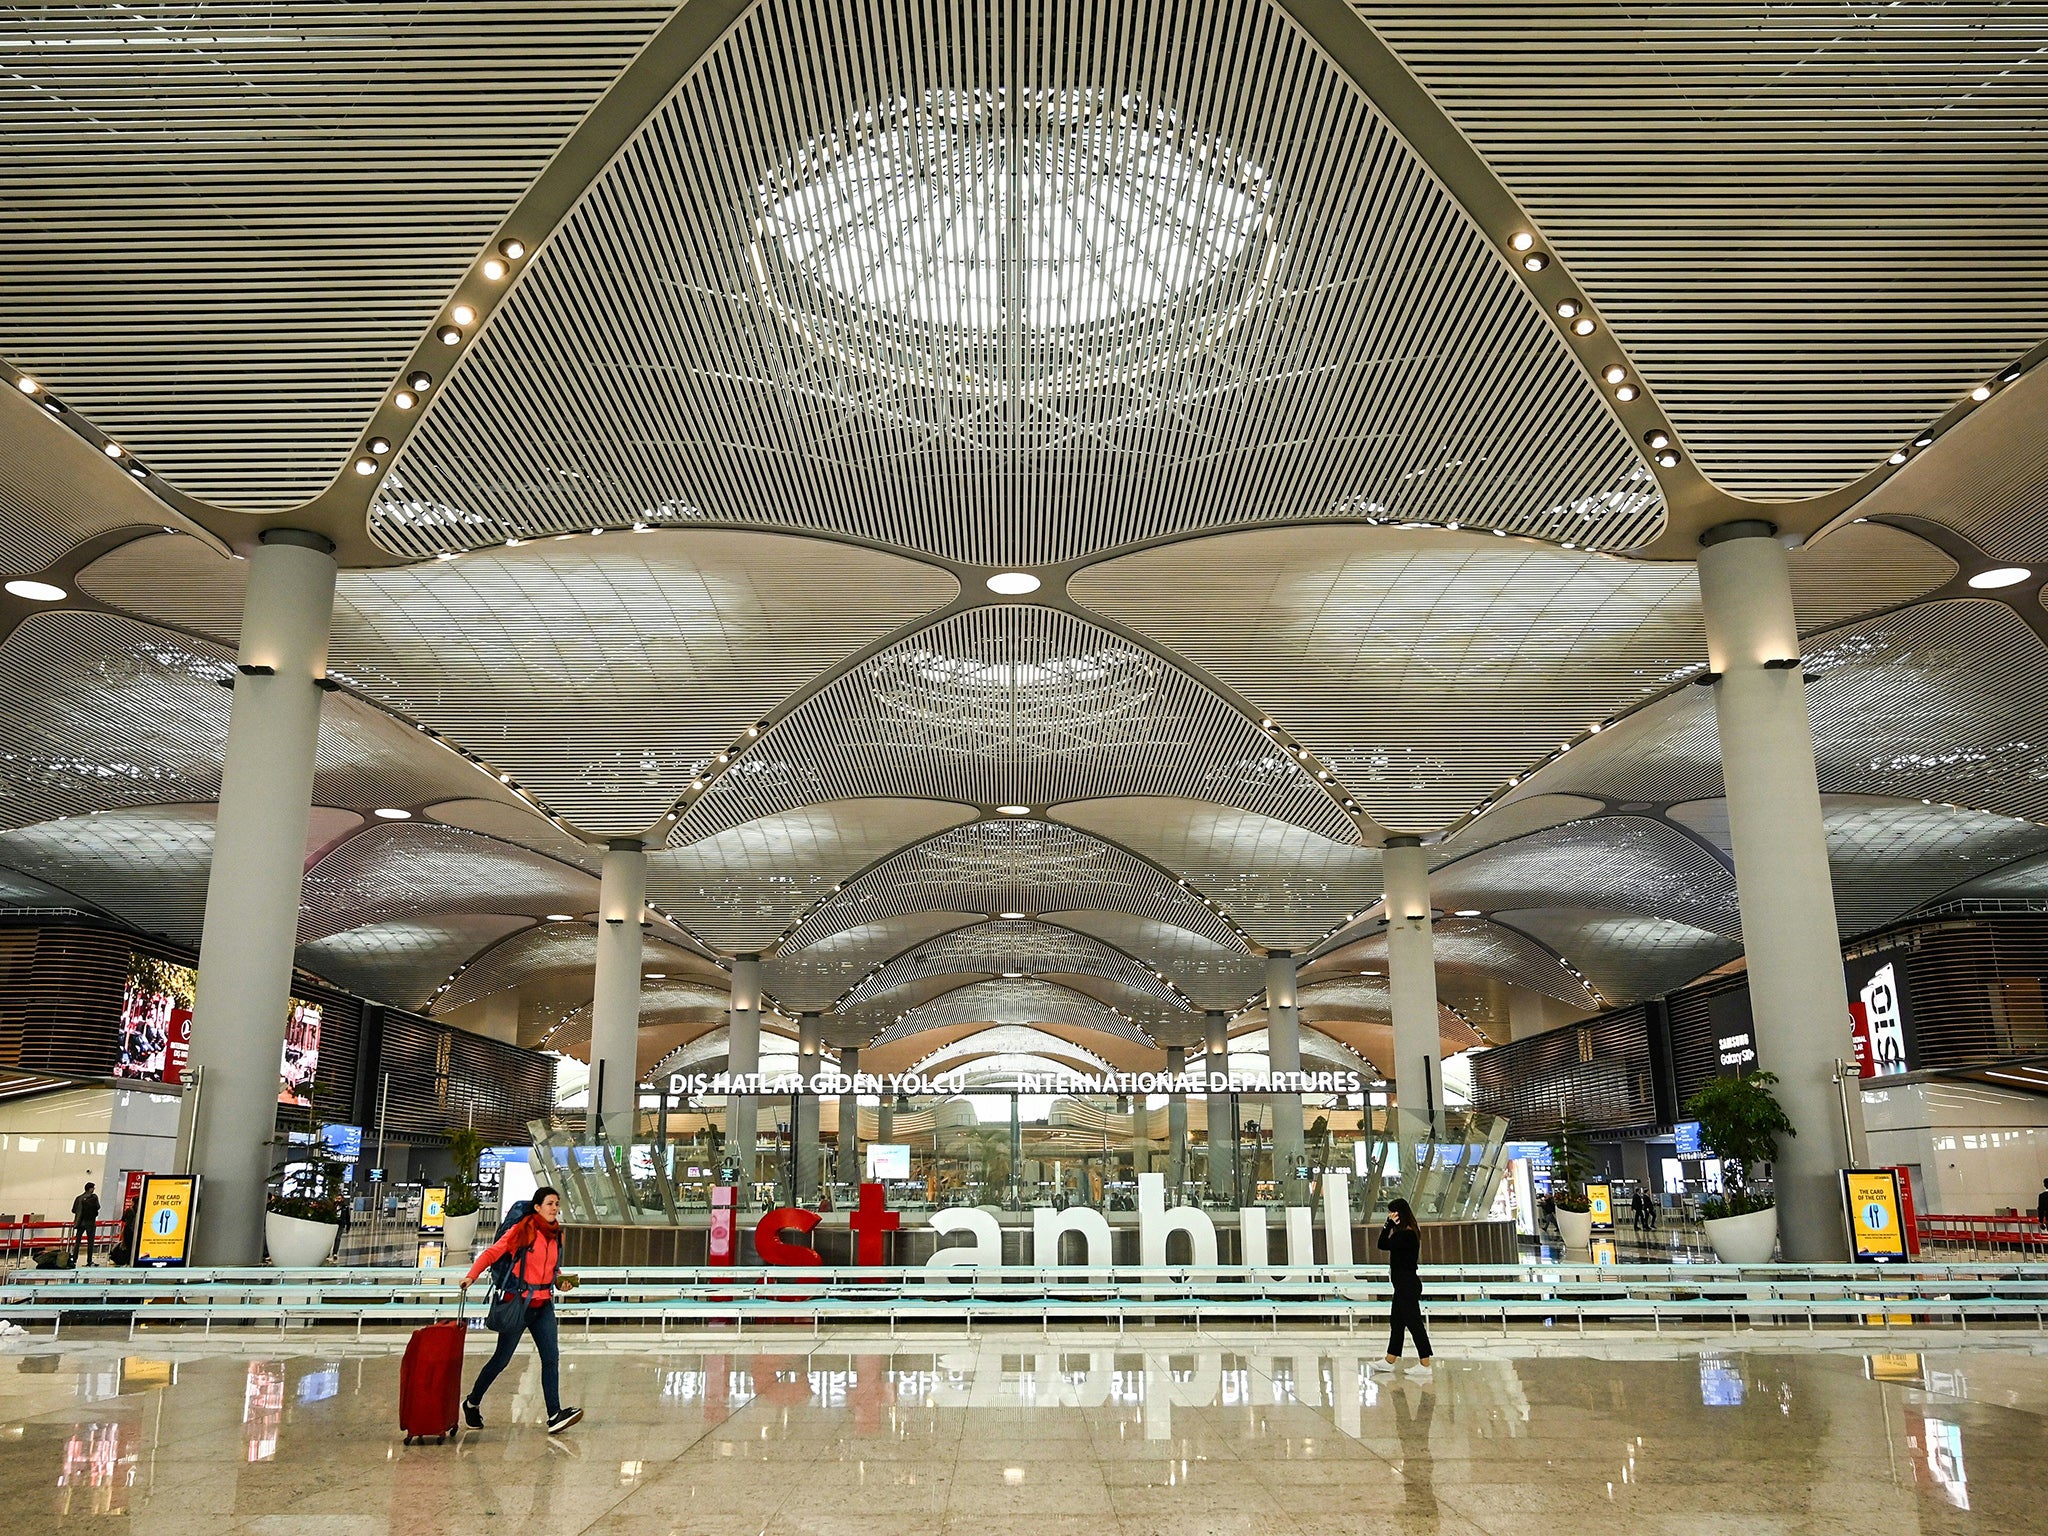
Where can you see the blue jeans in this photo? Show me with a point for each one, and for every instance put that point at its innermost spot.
(540, 1322)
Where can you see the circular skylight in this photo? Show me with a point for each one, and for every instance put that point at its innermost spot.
(1014, 242)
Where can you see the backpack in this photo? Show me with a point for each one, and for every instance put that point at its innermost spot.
(501, 1269)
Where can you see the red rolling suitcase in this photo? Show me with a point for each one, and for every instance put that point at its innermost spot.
(430, 1380)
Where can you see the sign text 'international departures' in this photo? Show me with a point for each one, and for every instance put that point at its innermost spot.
(1062, 1084)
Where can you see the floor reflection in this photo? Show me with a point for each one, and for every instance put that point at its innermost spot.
(1148, 1434)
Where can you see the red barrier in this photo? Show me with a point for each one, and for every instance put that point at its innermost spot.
(2010, 1234)
(19, 1239)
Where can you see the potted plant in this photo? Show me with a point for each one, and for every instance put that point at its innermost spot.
(1741, 1120)
(302, 1216)
(466, 1148)
(1570, 1161)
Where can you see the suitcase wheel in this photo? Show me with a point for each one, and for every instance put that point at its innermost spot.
(408, 1439)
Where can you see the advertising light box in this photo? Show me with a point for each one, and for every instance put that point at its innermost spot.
(888, 1160)
(156, 1030)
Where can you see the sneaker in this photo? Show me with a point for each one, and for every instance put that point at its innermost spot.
(557, 1422)
(1380, 1367)
(472, 1413)
(1421, 1373)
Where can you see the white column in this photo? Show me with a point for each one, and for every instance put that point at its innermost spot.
(743, 1054)
(1411, 984)
(1176, 1125)
(1283, 1045)
(849, 1119)
(1797, 993)
(615, 1006)
(252, 892)
(1216, 1030)
(810, 1056)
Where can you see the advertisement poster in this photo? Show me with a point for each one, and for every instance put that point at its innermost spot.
(887, 1160)
(163, 1235)
(1876, 1221)
(433, 1208)
(156, 1030)
(1882, 1013)
(1600, 1206)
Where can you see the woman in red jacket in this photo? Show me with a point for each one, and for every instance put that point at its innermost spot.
(534, 1246)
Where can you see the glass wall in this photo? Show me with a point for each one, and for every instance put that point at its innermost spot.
(1002, 1150)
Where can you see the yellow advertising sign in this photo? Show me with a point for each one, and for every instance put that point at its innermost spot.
(1876, 1227)
(163, 1231)
(1600, 1206)
(1604, 1251)
(433, 1209)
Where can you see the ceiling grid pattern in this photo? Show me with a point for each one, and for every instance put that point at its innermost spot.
(1268, 307)
(999, 947)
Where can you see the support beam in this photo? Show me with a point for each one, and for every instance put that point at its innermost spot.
(1283, 1046)
(615, 1005)
(1798, 997)
(810, 1058)
(1411, 984)
(253, 890)
(743, 1054)
(1222, 1134)
(849, 1170)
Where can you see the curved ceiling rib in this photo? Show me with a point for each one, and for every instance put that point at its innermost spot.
(1317, 329)
(1013, 948)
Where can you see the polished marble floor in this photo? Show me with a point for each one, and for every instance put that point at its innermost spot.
(1169, 1433)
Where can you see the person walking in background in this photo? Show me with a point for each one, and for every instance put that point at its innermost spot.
(2041, 1205)
(85, 1215)
(124, 1250)
(1401, 1241)
(529, 1272)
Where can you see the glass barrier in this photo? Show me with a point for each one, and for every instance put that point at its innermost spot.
(1007, 1151)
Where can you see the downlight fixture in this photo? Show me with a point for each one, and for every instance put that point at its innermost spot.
(463, 314)
(1013, 810)
(1535, 261)
(559, 917)
(1521, 240)
(1983, 581)
(449, 335)
(1568, 309)
(1583, 326)
(419, 381)
(495, 270)
(27, 385)
(511, 249)
(37, 591)
(1013, 583)
(1657, 437)
(392, 813)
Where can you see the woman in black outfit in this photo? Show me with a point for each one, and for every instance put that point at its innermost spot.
(1401, 1242)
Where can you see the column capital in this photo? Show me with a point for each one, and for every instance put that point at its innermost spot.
(302, 538)
(1741, 528)
(626, 845)
(1404, 840)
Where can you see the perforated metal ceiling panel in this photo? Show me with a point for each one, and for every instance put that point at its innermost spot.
(1027, 948)
(1625, 862)
(1814, 226)
(226, 224)
(555, 956)
(516, 824)
(1426, 667)
(1207, 974)
(1466, 948)
(811, 977)
(57, 490)
(1627, 956)
(1888, 858)
(401, 962)
(807, 293)
(741, 888)
(411, 869)
(1013, 866)
(1006, 1001)
(1010, 1040)
(1989, 479)
(1509, 820)
(1015, 705)
(569, 663)
(1284, 886)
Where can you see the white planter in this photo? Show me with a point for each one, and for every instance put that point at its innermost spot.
(458, 1234)
(296, 1244)
(1751, 1239)
(1576, 1227)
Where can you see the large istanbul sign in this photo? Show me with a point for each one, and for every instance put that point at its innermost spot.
(1071, 1084)
(777, 1235)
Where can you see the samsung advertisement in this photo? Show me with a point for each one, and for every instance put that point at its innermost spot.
(156, 1030)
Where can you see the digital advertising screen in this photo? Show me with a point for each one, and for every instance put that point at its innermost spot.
(888, 1161)
(156, 1030)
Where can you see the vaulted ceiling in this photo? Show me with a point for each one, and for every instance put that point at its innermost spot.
(1348, 382)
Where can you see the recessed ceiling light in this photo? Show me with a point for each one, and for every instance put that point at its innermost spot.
(392, 813)
(1614, 373)
(513, 249)
(494, 269)
(1568, 309)
(37, 591)
(1011, 916)
(405, 399)
(27, 385)
(1625, 392)
(420, 380)
(1013, 583)
(1668, 457)
(449, 335)
(1014, 810)
(1983, 581)
(379, 445)
(366, 466)
(1012, 975)
(560, 917)
(1521, 240)
(1466, 912)
(1924, 440)
(1897, 458)
(1657, 437)
(1583, 326)
(1535, 261)
(1981, 392)
(463, 314)
(111, 450)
